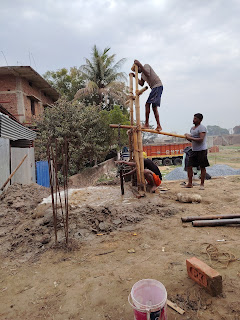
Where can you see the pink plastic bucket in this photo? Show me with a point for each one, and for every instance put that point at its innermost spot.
(148, 298)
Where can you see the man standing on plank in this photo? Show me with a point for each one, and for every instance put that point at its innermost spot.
(198, 157)
(154, 98)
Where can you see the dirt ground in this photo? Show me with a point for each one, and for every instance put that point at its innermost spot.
(94, 276)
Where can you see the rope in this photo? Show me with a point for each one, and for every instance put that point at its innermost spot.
(215, 257)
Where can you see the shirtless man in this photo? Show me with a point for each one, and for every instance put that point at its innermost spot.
(154, 98)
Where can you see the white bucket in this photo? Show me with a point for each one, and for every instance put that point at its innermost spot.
(149, 299)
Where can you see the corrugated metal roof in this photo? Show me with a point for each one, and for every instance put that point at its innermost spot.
(13, 130)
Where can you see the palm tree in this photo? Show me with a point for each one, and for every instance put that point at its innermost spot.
(102, 80)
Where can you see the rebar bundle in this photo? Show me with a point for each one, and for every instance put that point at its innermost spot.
(58, 173)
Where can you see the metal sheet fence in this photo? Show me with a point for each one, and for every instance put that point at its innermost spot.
(43, 173)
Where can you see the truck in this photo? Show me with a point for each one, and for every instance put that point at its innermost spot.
(166, 154)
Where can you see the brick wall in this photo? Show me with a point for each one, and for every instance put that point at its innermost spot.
(7, 83)
(11, 106)
(31, 90)
(10, 85)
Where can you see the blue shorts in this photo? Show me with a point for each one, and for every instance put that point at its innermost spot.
(155, 96)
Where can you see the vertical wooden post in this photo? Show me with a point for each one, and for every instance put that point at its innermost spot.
(131, 97)
(139, 132)
(136, 156)
(130, 135)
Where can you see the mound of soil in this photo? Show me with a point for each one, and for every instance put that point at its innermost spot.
(28, 228)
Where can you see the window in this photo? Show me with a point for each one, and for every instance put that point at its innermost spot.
(32, 107)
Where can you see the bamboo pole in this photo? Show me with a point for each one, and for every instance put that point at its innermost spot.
(139, 92)
(147, 130)
(130, 134)
(136, 157)
(131, 98)
(12, 174)
(139, 133)
(133, 67)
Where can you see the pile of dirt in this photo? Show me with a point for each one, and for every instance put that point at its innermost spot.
(28, 228)
(104, 219)
(16, 208)
(23, 198)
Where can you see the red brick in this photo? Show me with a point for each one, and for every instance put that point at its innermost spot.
(204, 275)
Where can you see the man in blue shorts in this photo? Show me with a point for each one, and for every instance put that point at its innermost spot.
(154, 98)
(198, 156)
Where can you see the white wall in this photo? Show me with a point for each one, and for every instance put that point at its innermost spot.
(26, 173)
(4, 161)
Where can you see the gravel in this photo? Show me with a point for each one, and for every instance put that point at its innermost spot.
(215, 171)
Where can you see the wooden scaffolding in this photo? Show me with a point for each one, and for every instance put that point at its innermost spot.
(135, 129)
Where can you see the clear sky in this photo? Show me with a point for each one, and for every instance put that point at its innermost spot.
(193, 45)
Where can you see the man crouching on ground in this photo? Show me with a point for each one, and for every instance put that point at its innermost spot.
(151, 172)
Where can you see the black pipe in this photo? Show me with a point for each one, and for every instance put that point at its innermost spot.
(213, 217)
(214, 223)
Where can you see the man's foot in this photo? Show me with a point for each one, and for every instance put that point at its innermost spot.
(159, 128)
(195, 184)
(201, 187)
(188, 186)
(146, 126)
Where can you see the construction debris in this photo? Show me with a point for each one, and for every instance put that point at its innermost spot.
(189, 198)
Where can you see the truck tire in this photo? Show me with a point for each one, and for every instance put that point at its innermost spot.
(177, 161)
(167, 162)
(157, 162)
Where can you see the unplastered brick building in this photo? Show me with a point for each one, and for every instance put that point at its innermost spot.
(24, 93)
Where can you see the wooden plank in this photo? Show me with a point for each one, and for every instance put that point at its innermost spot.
(12, 174)
(175, 307)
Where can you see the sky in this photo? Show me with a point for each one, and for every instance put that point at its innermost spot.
(193, 45)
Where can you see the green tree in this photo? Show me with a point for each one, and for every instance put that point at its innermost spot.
(216, 131)
(66, 82)
(86, 128)
(103, 80)
(83, 126)
(117, 136)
